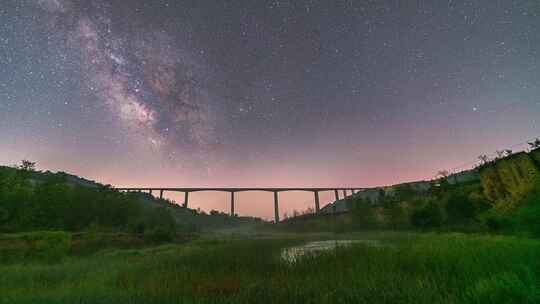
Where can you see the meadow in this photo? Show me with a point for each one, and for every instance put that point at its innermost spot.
(407, 268)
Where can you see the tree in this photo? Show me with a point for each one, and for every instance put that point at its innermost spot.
(535, 144)
(27, 165)
(460, 208)
(4, 215)
(54, 203)
(381, 195)
(484, 159)
(428, 216)
(395, 215)
(443, 177)
(309, 210)
(443, 174)
(363, 214)
(160, 234)
(404, 192)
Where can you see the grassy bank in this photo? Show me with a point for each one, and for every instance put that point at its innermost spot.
(434, 268)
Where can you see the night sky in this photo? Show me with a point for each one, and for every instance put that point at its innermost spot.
(265, 93)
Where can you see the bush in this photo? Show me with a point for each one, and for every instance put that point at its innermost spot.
(460, 208)
(160, 234)
(158, 217)
(363, 214)
(138, 226)
(428, 216)
(404, 192)
(340, 227)
(527, 218)
(497, 223)
(187, 227)
(395, 215)
(51, 246)
(4, 215)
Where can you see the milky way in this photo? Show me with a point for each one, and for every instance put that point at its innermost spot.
(148, 82)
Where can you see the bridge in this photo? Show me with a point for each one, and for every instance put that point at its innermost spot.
(232, 191)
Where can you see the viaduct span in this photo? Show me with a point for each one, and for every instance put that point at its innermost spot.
(232, 191)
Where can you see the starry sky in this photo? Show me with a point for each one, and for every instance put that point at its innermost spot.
(265, 93)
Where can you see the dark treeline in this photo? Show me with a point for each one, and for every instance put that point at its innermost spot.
(32, 200)
(506, 199)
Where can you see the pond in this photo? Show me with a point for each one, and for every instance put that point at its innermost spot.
(291, 254)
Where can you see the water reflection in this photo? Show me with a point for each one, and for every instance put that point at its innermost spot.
(292, 254)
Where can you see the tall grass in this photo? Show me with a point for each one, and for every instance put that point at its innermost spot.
(448, 268)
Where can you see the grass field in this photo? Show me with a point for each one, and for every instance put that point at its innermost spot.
(429, 268)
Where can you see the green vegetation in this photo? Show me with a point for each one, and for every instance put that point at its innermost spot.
(506, 199)
(447, 268)
(41, 245)
(523, 220)
(428, 216)
(507, 181)
(460, 207)
(190, 220)
(32, 201)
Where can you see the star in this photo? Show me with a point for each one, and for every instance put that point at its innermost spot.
(156, 91)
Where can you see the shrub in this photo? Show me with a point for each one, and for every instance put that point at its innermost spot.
(395, 215)
(158, 217)
(340, 227)
(460, 208)
(188, 227)
(4, 215)
(428, 216)
(49, 245)
(497, 223)
(404, 192)
(137, 226)
(160, 234)
(527, 217)
(363, 214)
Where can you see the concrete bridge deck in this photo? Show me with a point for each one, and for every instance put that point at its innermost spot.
(233, 190)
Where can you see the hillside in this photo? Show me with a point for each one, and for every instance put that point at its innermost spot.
(501, 195)
(34, 200)
(195, 220)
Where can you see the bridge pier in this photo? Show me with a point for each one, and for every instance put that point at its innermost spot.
(276, 207)
(317, 207)
(316, 192)
(232, 203)
(186, 198)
